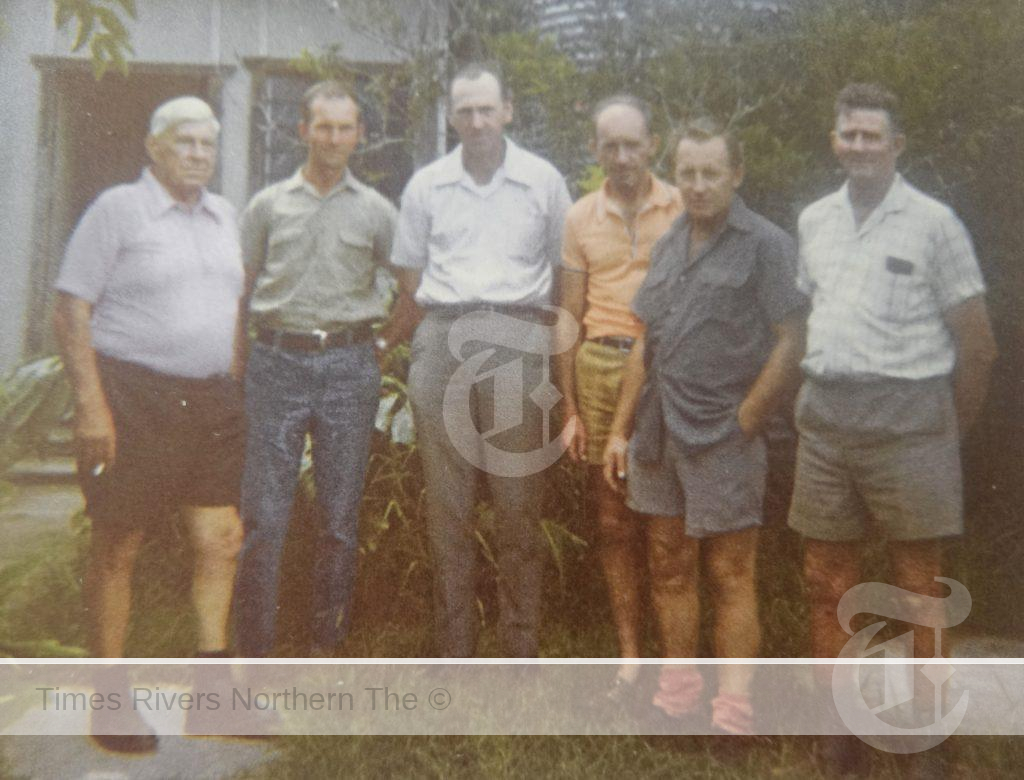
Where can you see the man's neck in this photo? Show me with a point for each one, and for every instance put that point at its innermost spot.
(189, 197)
(865, 196)
(631, 200)
(323, 179)
(482, 166)
(703, 231)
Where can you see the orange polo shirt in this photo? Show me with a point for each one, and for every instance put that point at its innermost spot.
(597, 242)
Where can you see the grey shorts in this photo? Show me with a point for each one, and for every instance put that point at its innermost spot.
(906, 483)
(716, 490)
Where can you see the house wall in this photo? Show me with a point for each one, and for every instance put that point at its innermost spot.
(219, 34)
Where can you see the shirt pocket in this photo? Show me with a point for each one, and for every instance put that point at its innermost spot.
(523, 227)
(895, 290)
(724, 293)
(354, 251)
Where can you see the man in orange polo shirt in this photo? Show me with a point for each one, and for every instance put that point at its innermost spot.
(605, 253)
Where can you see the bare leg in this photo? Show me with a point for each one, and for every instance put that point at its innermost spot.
(830, 569)
(620, 546)
(731, 561)
(108, 587)
(914, 567)
(216, 537)
(674, 561)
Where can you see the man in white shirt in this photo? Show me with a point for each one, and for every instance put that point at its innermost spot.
(899, 349)
(478, 237)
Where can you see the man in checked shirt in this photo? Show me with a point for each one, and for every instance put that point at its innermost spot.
(899, 349)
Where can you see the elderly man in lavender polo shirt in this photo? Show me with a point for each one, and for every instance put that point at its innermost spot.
(147, 323)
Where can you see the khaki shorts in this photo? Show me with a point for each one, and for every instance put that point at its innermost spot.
(907, 484)
(598, 378)
(717, 490)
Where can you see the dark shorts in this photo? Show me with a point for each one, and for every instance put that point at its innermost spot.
(180, 442)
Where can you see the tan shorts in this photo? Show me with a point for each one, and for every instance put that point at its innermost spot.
(598, 378)
(907, 485)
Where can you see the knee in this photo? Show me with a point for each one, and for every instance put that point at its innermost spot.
(614, 530)
(825, 583)
(114, 556)
(730, 574)
(672, 563)
(221, 543)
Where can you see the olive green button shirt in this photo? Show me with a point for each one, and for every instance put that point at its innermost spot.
(314, 258)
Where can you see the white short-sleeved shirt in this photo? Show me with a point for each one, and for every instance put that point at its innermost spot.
(878, 293)
(164, 280)
(496, 243)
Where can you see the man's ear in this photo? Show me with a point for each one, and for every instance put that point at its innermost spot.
(899, 143)
(151, 143)
(739, 172)
(592, 147)
(303, 131)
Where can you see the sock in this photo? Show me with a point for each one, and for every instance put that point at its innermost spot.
(679, 691)
(733, 712)
(628, 672)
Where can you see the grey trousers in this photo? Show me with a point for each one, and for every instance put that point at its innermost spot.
(458, 446)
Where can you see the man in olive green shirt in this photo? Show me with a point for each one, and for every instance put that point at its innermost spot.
(312, 245)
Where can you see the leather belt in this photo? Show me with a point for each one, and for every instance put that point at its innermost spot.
(317, 340)
(519, 311)
(621, 343)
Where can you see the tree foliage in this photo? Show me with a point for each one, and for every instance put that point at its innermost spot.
(99, 25)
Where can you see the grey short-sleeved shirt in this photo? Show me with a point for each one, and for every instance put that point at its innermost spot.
(315, 257)
(709, 330)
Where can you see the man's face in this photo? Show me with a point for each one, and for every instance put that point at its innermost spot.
(623, 147)
(866, 146)
(706, 179)
(184, 158)
(478, 113)
(332, 133)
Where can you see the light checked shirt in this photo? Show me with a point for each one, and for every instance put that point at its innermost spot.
(878, 292)
(497, 243)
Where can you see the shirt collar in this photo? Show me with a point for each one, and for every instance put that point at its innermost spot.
(895, 199)
(659, 196)
(516, 165)
(161, 201)
(297, 181)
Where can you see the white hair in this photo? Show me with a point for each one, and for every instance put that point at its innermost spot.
(178, 110)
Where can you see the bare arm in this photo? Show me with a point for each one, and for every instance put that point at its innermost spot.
(633, 377)
(240, 356)
(976, 350)
(778, 378)
(95, 438)
(572, 293)
(406, 314)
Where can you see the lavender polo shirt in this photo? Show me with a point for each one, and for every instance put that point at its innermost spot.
(164, 279)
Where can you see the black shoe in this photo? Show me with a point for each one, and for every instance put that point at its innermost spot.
(122, 731)
(843, 755)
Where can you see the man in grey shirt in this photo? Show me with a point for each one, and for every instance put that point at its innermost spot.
(721, 349)
(312, 245)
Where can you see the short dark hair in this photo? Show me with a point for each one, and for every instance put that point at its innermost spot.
(474, 70)
(328, 90)
(706, 128)
(625, 99)
(873, 97)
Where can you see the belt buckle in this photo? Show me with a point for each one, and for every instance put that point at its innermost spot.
(321, 337)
